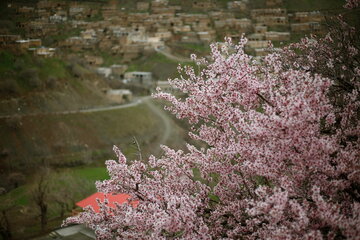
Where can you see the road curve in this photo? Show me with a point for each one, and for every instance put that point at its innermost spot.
(90, 110)
(171, 56)
(166, 122)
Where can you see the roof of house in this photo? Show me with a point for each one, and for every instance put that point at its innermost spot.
(112, 199)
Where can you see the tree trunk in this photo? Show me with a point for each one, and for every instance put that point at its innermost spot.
(43, 216)
(5, 229)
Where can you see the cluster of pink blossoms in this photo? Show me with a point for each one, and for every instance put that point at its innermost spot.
(352, 4)
(282, 155)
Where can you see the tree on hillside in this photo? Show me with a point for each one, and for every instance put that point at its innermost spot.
(282, 155)
(66, 190)
(6, 205)
(40, 196)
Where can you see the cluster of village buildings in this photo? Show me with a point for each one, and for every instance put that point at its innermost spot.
(152, 24)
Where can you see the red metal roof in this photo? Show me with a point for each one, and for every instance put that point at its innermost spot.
(112, 198)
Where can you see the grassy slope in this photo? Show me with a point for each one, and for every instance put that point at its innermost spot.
(162, 67)
(68, 140)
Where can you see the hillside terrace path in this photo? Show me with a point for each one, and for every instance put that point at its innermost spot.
(164, 51)
(164, 118)
(89, 110)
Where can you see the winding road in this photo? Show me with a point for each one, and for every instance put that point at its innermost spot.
(164, 118)
(167, 129)
(90, 110)
(171, 56)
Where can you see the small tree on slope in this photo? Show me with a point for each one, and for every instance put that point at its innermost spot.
(282, 160)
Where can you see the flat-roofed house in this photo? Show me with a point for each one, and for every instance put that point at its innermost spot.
(140, 78)
(277, 36)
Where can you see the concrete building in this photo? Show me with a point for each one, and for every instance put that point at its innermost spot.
(104, 71)
(118, 71)
(94, 60)
(142, 6)
(302, 17)
(277, 36)
(305, 27)
(139, 78)
(237, 5)
(119, 95)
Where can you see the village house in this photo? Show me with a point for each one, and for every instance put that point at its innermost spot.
(118, 71)
(43, 13)
(207, 37)
(25, 11)
(89, 35)
(180, 29)
(104, 71)
(273, 20)
(40, 29)
(256, 37)
(140, 78)
(273, 3)
(109, 10)
(306, 27)
(261, 52)
(163, 34)
(44, 52)
(243, 25)
(6, 40)
(142, 6)
(131, 52)
(105, 43)
(190, 37)
(277, 36)
(57, 18)
(78, 11)
(159, 3)
(270, 16)
(189, 19)
(61, 13)
(260, 28)
(21, 25)
(155, 42)
(302, 17)
(257, 44)
(203, 5)
(119, 95)
(25, 44)
(237, 5)
(220, 15)
(73, 43)
(257, 40)
(80, 24)
(49, 4)
(268, 12)
(93, 60)
(166, 87)
(202, 24)
(137, 18)
(163, 10)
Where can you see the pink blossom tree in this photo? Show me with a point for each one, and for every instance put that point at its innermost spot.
(282, 155)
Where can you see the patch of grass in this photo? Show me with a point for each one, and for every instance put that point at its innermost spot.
(65, 32)
(7, 60)
(19, 196)
(158, 64)
(110, 59)
(53, 67)
(91, 173)
(204, 48)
